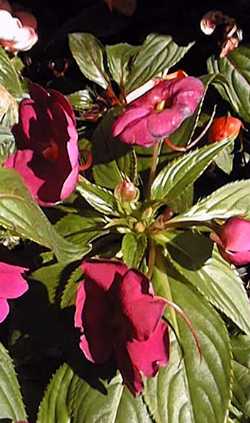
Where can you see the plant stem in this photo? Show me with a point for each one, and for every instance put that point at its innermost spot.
(151, 258)
(154, 162)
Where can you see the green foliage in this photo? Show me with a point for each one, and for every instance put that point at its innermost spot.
(9, 77)
(157, 54)
(120, 58)
(7, 143)
(70, 398)
(183, 172)
(241, 368)
(193, 388)
(234, 85)
(11, 404)
(208, 376)
(88, 54)
(81, 100)
(113, 159)
(99, 198)
(133, 249)
(21, 214)
(196, 260)
(230, 200)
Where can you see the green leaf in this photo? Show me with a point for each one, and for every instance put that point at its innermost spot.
(81, 100)
(50, 276)
(241, 349)
(225, 159)
(230, 200)
(7, 143)
(241, 368)
(157, 54)
(241, 388)
(183, 172)
(133, 249)
(21, 214)
(88, 54)
(193, 256)
(191, 389)
(120, 58)
(113, 159)
(9, 77)
(107, 175)
(235, 84)
(82, 228)
(99, 198)
(70, 399)
(184, 201)
(69, 293)
(11, 404)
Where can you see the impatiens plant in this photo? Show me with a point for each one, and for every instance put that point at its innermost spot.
(137, 309)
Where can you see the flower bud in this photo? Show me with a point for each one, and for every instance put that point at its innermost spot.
(126, 191)
(224, 127)
(233, 240)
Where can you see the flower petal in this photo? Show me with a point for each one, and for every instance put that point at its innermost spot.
(235, 234)
(137, 133)
(129, 117)
(143, 310)
(130, 373)
(4, 309)
(162, 124)
(56, 96)
(12, 284)
(103, 272)
(92, 308)
(148, 356)
(20, 161)
(237, 258)
(80, 300)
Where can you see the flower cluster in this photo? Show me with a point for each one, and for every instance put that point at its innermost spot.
(120, 316)
(47, 154)
(18, 28)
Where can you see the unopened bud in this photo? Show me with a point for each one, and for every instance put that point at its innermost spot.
(126, 191)
(139, 227)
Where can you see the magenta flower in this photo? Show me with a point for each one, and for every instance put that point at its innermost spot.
(120, 317)
(233, 241)
(159, 112)
(12, 285)
(47, 149)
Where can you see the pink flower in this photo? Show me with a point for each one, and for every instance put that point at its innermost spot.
(12, 285)
(18, 29)
(159, 112)
(119, 316)
(233, 241)
(46, 138)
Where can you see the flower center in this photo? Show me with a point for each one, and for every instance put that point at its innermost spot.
(163, 104)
